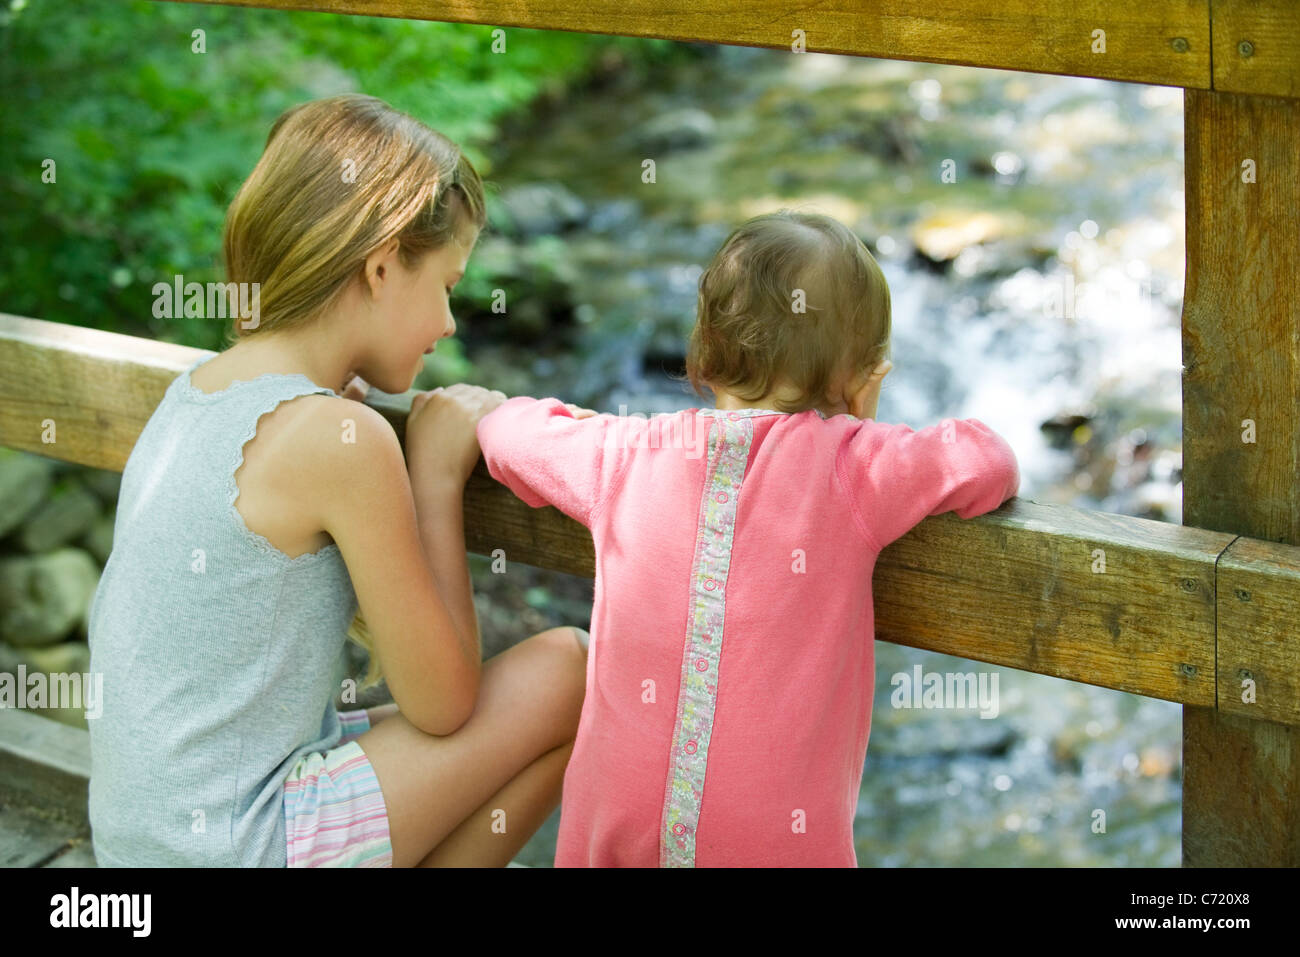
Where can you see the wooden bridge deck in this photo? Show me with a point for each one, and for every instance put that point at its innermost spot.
(28, 839)
(44, 785)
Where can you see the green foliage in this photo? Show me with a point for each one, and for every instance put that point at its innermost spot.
(151, 139)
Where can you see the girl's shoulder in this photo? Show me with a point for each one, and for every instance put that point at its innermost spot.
(308, 455)
(314, 432)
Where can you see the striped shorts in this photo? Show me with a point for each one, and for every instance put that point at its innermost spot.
(334, 812)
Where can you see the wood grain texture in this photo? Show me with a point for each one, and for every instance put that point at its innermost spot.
(1259, 630)
(1034, 36)
(1241, 340)
(1089, 596)
(1269, 63)
(1241, 359)
(46, 765)
(29, 840)
(92, 385)
(1240, 801)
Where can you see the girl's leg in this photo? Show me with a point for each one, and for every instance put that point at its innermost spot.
(527, 801)
(529, 703)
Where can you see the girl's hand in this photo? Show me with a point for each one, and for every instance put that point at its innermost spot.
(862, 404)
(580, 413)
(441, 430)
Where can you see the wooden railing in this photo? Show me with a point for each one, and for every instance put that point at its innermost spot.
(1196, 44)
(1167, 611)
(1193, 613)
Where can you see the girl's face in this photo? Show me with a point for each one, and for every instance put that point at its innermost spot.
(416, 314)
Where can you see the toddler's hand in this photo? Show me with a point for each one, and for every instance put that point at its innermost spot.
(441, 430)
(580, 413)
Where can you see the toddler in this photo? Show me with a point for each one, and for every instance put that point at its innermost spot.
(731, 669)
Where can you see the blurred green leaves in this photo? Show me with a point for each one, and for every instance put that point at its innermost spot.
(151, 140)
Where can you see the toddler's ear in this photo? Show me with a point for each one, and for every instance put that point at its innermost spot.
(853, 391)
(863, 403)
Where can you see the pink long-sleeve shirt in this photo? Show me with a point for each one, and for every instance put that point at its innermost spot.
(731, 667)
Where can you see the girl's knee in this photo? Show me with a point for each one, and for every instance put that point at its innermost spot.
(570, 644)
(565, 640)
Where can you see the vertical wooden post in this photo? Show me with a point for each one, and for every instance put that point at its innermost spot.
(1241, 440)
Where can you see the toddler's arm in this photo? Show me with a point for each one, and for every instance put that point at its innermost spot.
(896, 476)
(547, 455)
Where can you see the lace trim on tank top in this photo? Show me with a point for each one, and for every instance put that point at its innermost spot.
(260, 543)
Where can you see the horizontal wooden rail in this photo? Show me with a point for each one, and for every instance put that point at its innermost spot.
(1256, 43)
(1105, 599)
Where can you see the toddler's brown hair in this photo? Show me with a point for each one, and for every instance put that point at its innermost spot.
(790, 298)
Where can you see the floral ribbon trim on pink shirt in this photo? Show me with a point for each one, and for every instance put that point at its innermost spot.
(697, 697)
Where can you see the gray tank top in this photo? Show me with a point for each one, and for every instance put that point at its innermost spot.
(220, 655)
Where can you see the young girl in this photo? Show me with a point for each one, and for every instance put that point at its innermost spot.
(731, 671)
(261, 506)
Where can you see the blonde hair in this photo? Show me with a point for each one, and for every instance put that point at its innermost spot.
(749, 332)
(340, 177)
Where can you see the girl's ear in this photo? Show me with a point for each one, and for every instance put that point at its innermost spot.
(379, 266)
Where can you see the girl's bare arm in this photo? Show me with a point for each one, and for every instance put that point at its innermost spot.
(440, 507)
(418, 610)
